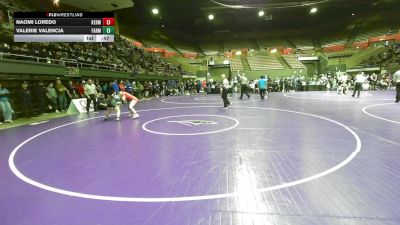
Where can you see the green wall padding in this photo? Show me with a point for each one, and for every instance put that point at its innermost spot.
(21, 67)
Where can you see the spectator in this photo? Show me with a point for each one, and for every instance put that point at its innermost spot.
(135, 88)
(5, 106)
(115, 87)
(396, 81)
(98, 86)
(40, 96)
(61, 91)
(198, 86)
(140, 90)
(102, 102)
(104, 88)
(146, 89)
(150, 86)
(25, 98)
(71, 92)
(128, 87)
(81, 89)
(110, 89)
(52, 97)
(156, 89)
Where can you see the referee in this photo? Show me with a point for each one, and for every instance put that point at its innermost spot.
(224, 91)
(91, 95)
(243, 86)
(359, 80)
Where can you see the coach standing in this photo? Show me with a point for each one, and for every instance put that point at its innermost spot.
(90, 93)
(396, 80)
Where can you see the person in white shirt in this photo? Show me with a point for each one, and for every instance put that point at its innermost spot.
(91, 95)
(343, 84)
(359, 80)
(396, 80)
(224, 91)
(243, 86)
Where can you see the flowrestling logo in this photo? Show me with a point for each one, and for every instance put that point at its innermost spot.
(193, 122)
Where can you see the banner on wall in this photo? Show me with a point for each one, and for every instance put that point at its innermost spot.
(79, 106)
(190, 55)
(137, 44)
(334, 48)
(363, 70)
(189, 76)
(362, 44)
(287, 51)
(71, 71)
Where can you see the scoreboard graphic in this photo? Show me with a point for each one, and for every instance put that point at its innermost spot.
(64, 27)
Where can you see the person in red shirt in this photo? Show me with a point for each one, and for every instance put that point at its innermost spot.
(125, 96)
(81, 89)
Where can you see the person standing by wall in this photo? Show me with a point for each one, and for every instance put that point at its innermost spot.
(71, 93)
(40, 95)
(198, 86)
(25, 98)
(140, 89)
(91, 95)
(52, 97)
(115, 86)
(81, 89)
(396, 81)
(342, 84)
(224, 91)
(156, 89)
(61, 92)
(5, 106)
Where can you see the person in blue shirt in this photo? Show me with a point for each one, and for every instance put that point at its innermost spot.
(5, 106)
(128, 87)
(115, 86)
(262, 85)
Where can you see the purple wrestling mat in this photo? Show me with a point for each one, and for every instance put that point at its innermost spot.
(296, 158)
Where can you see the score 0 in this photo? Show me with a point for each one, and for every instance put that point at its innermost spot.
(108, 21)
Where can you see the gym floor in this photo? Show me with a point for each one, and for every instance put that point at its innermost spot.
(296, 158)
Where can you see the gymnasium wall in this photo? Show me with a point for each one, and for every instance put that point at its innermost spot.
(253, 75)
(216, 72)
(33, 69)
